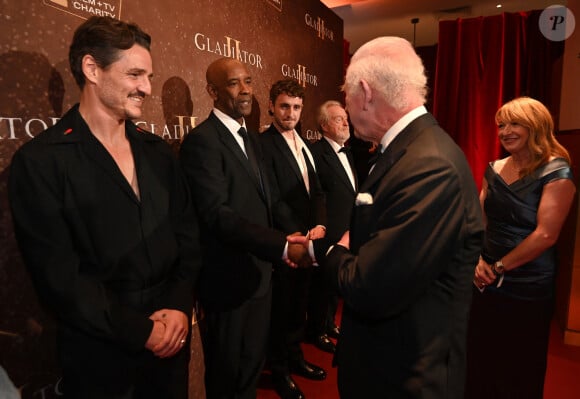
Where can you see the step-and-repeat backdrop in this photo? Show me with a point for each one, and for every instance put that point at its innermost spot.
(276, 39)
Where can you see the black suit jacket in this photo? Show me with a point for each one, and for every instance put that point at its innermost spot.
(101, 258)
(406, 281)
(236, 216)
(308, 210)
(337, 188)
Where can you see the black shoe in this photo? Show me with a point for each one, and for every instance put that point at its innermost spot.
(323, 343)
(334, 332)
(286, 387)
(308, 370)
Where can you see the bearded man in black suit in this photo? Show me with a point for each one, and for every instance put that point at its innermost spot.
(293, 171)
(405, 269)
(104, 222)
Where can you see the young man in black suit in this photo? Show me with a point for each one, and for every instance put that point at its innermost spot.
(293, 169)
(237, 209)
(337, 173)
(405, 269)
(104, 221)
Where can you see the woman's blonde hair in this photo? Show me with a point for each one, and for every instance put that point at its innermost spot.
(534, 115)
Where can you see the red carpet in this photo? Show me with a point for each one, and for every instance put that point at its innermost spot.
(562, 377)
(312, 389)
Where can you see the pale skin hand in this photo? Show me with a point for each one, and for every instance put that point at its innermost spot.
(304, 240)
(483, 274)
(316, 232)
(170, 327)
(156, 335)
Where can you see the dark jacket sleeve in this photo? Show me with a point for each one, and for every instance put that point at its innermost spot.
(415, 228)
(202, 157)
(89, 247)
(50, 253)
(185, 227)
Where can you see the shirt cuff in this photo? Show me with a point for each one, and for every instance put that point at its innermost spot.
(329, 249)
(285, 252)
(311, 253)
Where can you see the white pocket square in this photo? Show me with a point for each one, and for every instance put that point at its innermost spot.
(363, 199)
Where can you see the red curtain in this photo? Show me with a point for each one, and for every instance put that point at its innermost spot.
(484, 62)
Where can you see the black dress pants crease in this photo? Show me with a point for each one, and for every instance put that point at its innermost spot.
(289, 304)
(235, 347)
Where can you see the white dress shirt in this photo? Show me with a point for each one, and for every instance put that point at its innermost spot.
(343, 160)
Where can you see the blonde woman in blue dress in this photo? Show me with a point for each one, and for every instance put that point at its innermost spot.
(525, 199)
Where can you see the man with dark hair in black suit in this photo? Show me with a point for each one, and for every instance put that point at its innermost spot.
(293, 169)
(105, 224)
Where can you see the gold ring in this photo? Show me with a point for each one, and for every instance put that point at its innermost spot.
(182, 342)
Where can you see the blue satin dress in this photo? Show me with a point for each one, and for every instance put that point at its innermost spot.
(511, 212)
(509, 326)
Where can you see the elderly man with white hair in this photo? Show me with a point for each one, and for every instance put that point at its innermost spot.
(405, 268)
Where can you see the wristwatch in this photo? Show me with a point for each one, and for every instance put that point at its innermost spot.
(498, 268)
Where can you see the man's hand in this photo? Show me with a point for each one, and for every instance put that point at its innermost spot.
(173, 328)
(156, 335)
(316, 232)
(298, 255)
(297, 238)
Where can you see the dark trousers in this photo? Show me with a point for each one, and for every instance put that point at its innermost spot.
(330, 321)
(319, 302)
(290, 289)
(507, 347)
(101, 370)
(235, 347)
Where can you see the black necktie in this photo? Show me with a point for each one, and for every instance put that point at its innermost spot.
(250, 155)
(373, 158)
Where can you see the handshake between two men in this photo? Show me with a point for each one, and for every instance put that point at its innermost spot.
(300, 253)
(300, 247)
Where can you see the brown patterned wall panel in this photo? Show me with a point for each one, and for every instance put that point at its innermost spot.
(275, 38)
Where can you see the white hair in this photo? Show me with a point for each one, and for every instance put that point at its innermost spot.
(391, 66)
(323, 112)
